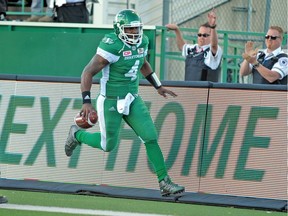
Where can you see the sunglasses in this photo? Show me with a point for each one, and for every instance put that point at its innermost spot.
(272, 37)
(204, 35)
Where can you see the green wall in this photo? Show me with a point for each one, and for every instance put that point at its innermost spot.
(52, 50)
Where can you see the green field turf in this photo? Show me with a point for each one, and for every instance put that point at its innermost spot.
(119, 206)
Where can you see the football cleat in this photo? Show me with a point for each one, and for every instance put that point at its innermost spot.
(168, 188)
(71, 142)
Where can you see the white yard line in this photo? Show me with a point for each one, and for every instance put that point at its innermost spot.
(73, 210)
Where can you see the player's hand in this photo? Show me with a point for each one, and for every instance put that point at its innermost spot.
(163, 91)
(86, 109)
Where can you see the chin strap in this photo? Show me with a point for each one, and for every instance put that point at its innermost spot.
(153, 79)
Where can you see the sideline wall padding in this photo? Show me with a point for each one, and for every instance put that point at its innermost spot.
(216, 139)
(145, 194)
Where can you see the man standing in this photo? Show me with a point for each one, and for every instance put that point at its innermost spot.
(269, 66)
(202, 59)
(71, 11)
(122, 56)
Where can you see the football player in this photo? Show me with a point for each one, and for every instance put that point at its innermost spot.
(121, 55)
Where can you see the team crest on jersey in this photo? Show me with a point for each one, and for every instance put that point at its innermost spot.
(140, 50)
(127, 53)
(107, 40)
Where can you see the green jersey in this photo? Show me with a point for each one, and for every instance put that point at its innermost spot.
(122, 74)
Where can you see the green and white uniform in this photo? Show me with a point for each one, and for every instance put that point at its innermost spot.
(122, 74)
(119, 78)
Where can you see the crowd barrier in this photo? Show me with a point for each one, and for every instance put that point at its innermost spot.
(228, 139)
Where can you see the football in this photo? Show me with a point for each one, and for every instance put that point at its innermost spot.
(81, 122)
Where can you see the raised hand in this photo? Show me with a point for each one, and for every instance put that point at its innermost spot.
(171, 26)
(212, 17)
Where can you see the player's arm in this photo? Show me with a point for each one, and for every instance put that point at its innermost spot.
(151, 76)
(146, 68)
(96, 64)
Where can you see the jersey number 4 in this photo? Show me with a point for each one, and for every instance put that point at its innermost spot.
(133, 71)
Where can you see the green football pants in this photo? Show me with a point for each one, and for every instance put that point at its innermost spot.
(139, 120)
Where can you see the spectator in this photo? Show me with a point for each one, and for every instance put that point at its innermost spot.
(36, 9)
(269, 66)
(72, 11)
(3, 199)
(122, 56)
(3, 9)
(202, 59)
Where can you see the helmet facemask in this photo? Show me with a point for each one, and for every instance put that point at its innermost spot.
(131, 38)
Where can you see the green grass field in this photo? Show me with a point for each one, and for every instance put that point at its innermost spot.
(68, 204)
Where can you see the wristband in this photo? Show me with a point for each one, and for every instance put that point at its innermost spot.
(213, 27)
(86, 97)
(153, 79)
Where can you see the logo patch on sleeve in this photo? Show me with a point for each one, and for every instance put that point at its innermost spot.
(107, 40)
(140, 50)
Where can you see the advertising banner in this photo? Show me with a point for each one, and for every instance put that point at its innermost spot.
(214, 140)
